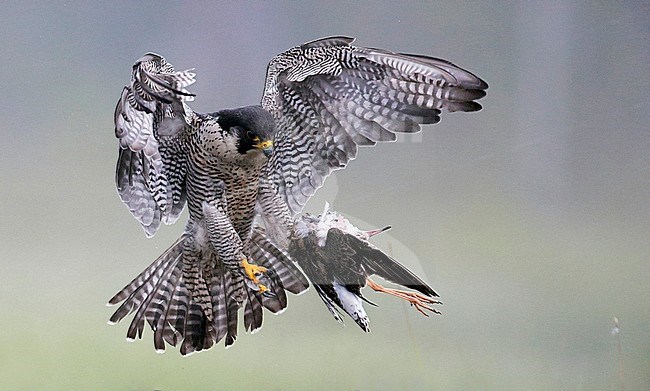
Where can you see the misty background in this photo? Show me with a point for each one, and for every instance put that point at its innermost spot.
(531, 218)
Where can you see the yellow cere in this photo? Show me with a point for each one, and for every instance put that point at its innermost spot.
(265, 144)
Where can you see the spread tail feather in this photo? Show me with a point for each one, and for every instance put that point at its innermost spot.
(145, 283)
(162, 297)
(288, 273)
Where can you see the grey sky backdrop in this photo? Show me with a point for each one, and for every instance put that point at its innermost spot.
(531, 218)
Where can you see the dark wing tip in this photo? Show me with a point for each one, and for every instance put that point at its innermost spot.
(339, 40)
(463, 106)
(470, 81)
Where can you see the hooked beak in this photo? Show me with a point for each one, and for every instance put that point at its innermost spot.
(374, 232)
(266, 147)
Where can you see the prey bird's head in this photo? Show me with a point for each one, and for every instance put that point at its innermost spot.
(318, 226)
(253, 128)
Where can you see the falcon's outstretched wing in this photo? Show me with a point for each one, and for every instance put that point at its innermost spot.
(329, 97)
(151, 123)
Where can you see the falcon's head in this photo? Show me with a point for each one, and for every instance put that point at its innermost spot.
(252, 127)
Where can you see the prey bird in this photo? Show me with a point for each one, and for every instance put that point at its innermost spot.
(322, 100)
(339, 261)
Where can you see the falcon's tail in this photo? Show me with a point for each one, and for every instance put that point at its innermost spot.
(200, 318)
(282, 275)
(158, 296)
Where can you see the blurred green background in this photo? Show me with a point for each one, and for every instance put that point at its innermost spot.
(531, 218)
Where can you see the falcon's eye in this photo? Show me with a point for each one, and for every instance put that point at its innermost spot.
(252, 136)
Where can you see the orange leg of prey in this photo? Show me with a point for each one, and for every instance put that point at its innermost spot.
(420, 302)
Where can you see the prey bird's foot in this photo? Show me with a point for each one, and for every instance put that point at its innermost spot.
(254, 274)
(419, 301)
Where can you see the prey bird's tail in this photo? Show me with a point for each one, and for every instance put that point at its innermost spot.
(195, 303)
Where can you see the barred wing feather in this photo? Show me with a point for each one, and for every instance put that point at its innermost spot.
(329, 97)
(151, 123)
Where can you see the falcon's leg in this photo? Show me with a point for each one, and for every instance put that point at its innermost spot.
(224, 238)
(253, 272)
(420, 302)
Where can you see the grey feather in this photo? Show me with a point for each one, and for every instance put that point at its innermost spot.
(328, 97)
(151, 122)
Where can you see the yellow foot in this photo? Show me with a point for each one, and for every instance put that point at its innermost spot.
(252, 271)
(420, 302)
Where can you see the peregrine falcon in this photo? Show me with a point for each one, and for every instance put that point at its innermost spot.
(321, 101)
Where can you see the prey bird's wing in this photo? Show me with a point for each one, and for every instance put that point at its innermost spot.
(152, 122)
(375, 262)
(329, 97)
